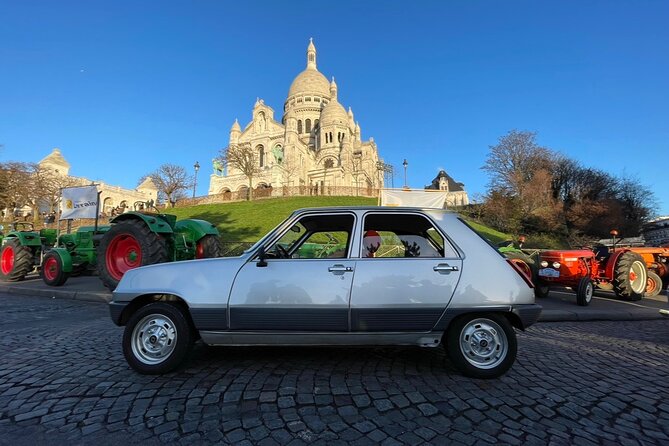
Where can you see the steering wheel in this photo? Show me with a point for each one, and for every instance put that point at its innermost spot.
(282, 251)
(26, 226)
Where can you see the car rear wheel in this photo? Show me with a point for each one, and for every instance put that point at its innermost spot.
(52, 270)
(653, 284)
(584, 292)
(541, 290)
(157, 338)
(482, 345)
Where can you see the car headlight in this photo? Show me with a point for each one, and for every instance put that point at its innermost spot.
(556, 265)
(544, 264)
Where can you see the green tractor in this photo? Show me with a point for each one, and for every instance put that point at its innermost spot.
(73, 254)
(137, 239)
(21, 250)
(131, 240)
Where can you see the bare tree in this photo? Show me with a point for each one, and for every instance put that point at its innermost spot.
(290, 168)
(172, 182)
(243, 158)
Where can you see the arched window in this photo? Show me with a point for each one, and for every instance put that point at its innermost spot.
(299, 126)
(315, 123)
(331, 137)
(261, 154)
(327, 140)
(307, 124)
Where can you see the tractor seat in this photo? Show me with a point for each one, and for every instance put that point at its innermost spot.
(601, 253)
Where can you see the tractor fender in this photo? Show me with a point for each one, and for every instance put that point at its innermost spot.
(613, 261)
(65, 258)
(25, 238)
(157, 225)
(196, 229)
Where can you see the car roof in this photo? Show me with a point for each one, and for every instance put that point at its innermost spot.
(371, 208)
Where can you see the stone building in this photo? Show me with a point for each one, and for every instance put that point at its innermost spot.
(316, 147)
(113, 197)
(456, 196)
(656, 232)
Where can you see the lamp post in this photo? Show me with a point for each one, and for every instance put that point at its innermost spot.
(405, 164)
(196, 166)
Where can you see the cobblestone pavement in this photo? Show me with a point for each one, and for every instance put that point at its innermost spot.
(63, 380)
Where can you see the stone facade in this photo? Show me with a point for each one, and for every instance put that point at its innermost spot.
(656, 232)
(457, 196)
(113, 198)
(315, 147)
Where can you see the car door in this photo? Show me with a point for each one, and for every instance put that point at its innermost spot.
(406, 274)
(301, 282)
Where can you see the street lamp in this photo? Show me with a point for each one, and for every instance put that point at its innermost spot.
(196, 166)
(405, 164)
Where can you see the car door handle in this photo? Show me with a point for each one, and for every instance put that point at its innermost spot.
(444, 267)
(340, 269)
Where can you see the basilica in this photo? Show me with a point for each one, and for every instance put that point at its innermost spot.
(315, 148)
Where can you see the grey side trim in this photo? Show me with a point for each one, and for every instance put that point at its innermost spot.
(432, 339)
(528, 314)
(394, 319)
(306, 319)
(115, 310)
(210, 318)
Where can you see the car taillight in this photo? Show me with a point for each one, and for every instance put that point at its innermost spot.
(523, 269)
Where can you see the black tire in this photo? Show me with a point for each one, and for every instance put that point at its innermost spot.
(16, 261)
(126, 238)
(208, 247)
(653, 285)
(146, 340)
(541, 290)
(496, 330)
(51, 271)
(584, 292)
(630, 276)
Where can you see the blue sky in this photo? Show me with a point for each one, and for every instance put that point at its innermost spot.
(124, 86)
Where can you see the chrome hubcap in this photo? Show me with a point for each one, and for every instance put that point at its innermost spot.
(483, 343)
(154, 339)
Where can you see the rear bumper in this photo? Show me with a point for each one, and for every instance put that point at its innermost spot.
(528, 314)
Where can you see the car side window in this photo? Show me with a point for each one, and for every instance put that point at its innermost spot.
(315, 237)
(401, 236)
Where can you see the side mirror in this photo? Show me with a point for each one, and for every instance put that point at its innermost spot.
(262, 256)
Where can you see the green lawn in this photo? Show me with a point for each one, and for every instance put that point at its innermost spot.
(247, 221)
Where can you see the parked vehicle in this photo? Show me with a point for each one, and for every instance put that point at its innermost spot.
(138, 239)
(657, 263)
(403, 276)
(620, 270)
(21, 250)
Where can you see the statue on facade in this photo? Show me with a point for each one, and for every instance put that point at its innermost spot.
(217, 166)
(277, 151)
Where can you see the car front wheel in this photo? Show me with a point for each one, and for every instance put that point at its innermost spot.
(482, 345)
(157, 338)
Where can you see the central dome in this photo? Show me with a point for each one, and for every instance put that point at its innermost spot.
(310, 81)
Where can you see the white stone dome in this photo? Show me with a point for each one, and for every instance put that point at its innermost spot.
(310, 81)
(334, 113)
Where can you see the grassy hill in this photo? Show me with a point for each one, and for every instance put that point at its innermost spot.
(247, 221)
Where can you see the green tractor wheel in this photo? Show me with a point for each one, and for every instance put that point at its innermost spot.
(128, 244)
(16, 261)
(208, 247)
(52, 270)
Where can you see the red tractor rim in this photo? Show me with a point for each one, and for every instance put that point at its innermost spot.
(199, 250)
(51, 268)
(650, 284)
(123, 253)
(7, 260)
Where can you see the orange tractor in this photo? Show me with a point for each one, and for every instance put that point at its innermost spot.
(657, 262)
(620, 270)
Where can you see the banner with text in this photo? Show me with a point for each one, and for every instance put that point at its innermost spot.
(78, 202)
(413, 198)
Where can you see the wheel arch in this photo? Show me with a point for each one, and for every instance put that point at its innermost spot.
(156, 224)
(145, 299)
(65, 258)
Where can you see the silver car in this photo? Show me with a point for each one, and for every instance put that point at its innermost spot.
(336, 276)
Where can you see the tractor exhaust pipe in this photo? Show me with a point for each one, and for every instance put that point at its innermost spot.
(614, 233)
